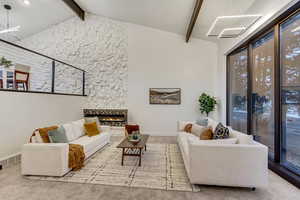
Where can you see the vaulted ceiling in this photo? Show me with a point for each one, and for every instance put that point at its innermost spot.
(167, 15)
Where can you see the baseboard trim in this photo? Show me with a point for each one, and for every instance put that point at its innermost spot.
(11, 160)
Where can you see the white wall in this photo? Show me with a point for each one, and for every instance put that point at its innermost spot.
(21, 113)
(124, 60)
(270, 9)
(162, 59)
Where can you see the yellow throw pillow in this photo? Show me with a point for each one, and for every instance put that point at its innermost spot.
(44, 133)
(207, 134)
(91, 129)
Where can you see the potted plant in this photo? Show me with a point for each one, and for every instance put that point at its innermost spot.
(207, 103)
(6, 63)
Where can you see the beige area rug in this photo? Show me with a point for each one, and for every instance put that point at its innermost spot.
(162, 168)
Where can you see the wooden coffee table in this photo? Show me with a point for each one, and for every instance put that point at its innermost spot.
(129, 149)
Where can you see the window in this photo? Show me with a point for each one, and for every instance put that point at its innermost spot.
(238, 90)
(272, 84)
(290, 91)
(262, 118)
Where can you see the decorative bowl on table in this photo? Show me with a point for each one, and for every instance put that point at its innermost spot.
(134, 138)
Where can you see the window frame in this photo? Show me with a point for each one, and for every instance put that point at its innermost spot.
(275, 164)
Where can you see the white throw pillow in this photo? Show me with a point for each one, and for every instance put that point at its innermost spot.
(70, 132)
(78, 128)
(197, 130)
(212, 123)
(38, 138)
(182, 124)
(220, 141)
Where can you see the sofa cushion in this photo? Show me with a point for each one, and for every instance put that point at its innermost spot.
(70, 132)
(91, 143)
(183, 138)
(216, 142)
(105, 128)
(58, 135)
(241, 137)
(78, 128)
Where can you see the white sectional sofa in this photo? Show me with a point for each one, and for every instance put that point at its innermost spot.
(239, 161)
(51, 159)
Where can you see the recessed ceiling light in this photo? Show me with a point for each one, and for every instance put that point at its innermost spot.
(26, 2)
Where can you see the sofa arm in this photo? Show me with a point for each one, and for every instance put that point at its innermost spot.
(45, 159)
(232, 165)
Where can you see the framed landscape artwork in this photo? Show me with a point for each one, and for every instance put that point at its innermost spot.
(168, 96)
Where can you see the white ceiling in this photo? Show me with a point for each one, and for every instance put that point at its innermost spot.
(168, 15)
(40, 15)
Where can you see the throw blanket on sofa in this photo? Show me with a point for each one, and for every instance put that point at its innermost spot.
(76, 157)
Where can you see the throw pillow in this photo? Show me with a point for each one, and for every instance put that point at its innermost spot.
(188, 128)
(78, 128)
(91, 129)
(207, 134)
(202, 122)
(44, 133)
(182, 124)
(197, 130)
(70, 132)
(221, 132)
(93, 119)
(58, 135)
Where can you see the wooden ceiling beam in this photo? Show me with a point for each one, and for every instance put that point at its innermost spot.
(193, 19)
(76, 8)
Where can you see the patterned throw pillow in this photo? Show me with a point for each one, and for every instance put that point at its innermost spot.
(221, 132)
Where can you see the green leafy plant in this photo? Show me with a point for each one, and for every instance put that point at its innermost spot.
(4, 62)
(207, 103)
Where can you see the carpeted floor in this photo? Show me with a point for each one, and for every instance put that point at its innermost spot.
(162, 168)
(14, 187)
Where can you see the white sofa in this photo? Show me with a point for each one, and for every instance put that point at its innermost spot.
(51, 159)
(241, 163)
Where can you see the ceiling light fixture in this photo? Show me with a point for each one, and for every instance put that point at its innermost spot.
(7, 28)
(251, 18)
(26, 2)
(231, 32)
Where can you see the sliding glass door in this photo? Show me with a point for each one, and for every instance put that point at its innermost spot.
(262, 69)
(263, 92)
(290, 92)
(238, 81)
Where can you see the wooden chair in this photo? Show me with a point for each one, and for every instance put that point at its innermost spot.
(22, 80)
